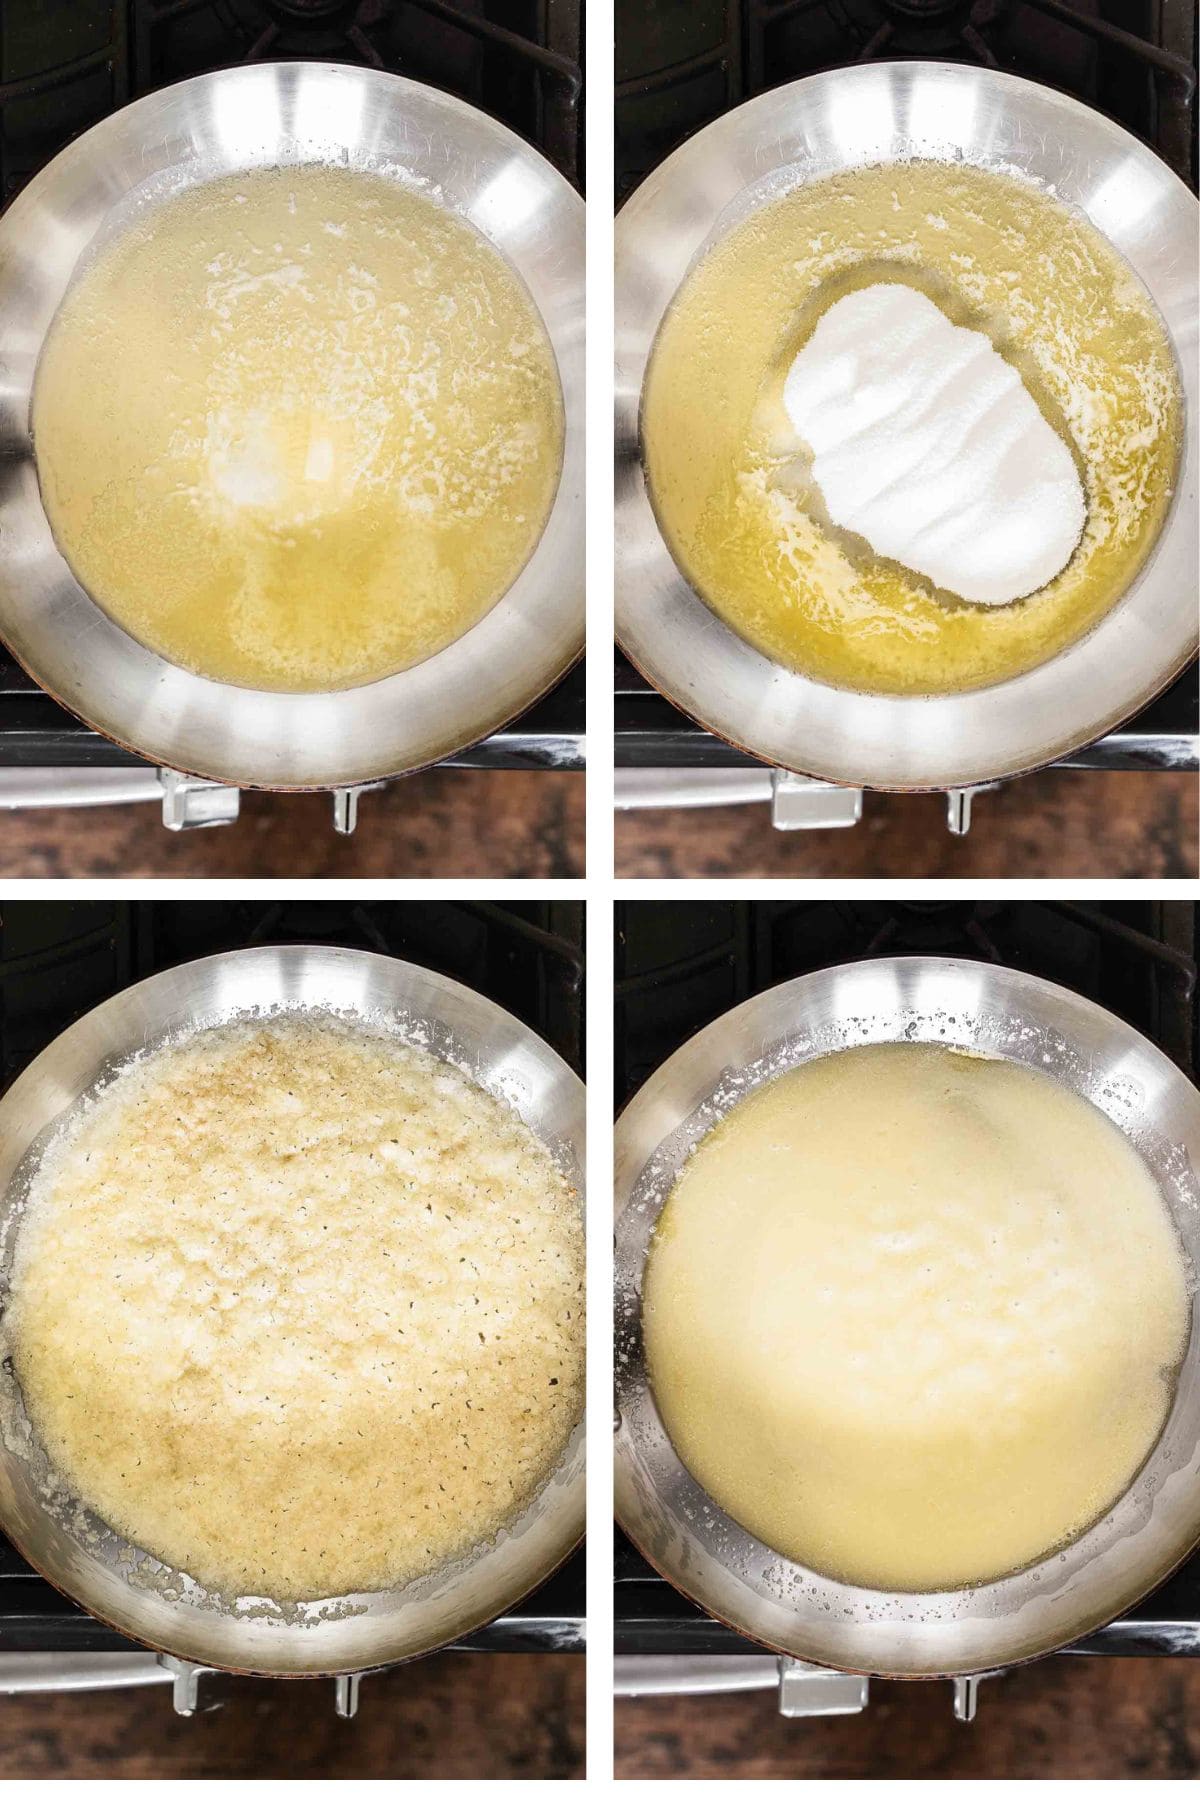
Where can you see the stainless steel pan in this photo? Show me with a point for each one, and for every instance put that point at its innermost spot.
(93, 1567)
(886, 112)
(687, 1536)
(221, 123)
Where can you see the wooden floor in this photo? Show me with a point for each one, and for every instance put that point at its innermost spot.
(457, 822)
(1072, 1718)
(1064, 822)
(493, 1717)
(450, 1717)
(447, 822)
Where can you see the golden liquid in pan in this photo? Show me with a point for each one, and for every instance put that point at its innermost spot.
(913, 1317)
(727, 476)
(298, 429)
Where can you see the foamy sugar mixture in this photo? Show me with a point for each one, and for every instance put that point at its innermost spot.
(299, 1309)
(297, 429)
(926, 443)
(743, 507)
(913, 1317)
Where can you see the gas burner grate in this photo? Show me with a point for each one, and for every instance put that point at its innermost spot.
(63, 68)
(680, 68)
(974, 30)
(679, 965)
(59, 959)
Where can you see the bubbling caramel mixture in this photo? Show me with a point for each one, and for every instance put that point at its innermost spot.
(732, 484)
(913, 1317)
(297, 429)
(299, 1310)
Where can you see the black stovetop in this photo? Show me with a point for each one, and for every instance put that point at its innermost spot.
(65, 66)
(679, 66)
(679, 965)
(60, 959)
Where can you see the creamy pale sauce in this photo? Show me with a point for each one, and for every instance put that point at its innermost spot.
(913, 1317)
(299, 1310)
(732, 486)
(298, 429)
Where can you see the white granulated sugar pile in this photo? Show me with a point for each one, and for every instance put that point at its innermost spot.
(927, 443)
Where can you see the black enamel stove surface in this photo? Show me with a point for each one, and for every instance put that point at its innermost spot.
(58, 961)
(66, 65)
(679, 966)
(679, 66)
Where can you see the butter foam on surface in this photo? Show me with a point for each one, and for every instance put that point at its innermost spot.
(298, 1309)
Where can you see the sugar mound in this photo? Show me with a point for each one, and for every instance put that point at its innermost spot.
(928, 444)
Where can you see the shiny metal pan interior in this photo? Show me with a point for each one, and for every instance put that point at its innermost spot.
(890, 112)
(94, 1565)
(227, 122)
(697, 1546)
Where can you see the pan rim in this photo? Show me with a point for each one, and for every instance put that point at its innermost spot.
(673, 1113)
(475, 686)
(897, 743)
(571, 1529)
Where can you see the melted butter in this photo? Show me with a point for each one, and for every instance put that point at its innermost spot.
(298, 1310)
(297, 430)
(731, 486)
(913, 1318)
